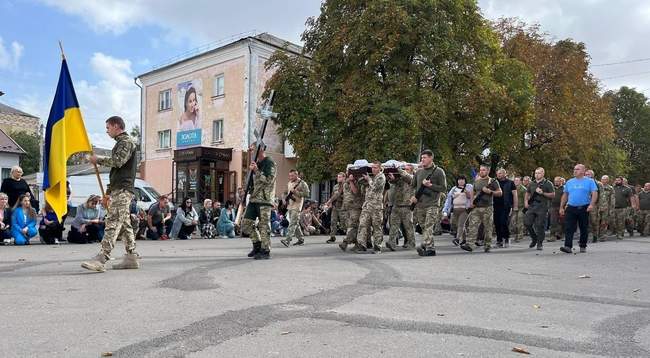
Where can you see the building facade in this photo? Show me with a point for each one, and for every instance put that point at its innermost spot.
(199, 117)
(14, 120)
(10, 153)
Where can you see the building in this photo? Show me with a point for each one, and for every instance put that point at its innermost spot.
(199, 117)
(10, 153)
(14, 120)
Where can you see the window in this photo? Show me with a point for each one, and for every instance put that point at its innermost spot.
(165, 100)
(218, 86)
(6, 173)
(217, 131)
(165, 139)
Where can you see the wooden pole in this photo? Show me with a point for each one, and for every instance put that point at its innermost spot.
(99, 179)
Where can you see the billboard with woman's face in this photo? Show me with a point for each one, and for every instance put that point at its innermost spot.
(190, 95)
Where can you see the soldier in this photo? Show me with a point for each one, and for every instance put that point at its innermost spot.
(120, 191)
(401, 214)
(429, 181)
(594, 215)
(297, 191)
(525, 181)
(605, 208)
(622, 202)
(337, 214)
(353, 196)
(517, 217)
(372, 211)
(485, 188)
(538, 196)
(644, 210)
(557, 227)
(260, 205)
(630, 220)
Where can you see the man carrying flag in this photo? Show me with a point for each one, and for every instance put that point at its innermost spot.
(123, 165)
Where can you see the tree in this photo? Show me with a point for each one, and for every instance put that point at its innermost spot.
(631, 113)
(31, 144)
(383, 79)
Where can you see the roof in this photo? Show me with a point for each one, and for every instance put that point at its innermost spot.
(11, 110)
(8, 145)
(264, 37)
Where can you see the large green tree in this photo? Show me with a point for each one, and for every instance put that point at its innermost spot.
(30, 143)
(383, 79)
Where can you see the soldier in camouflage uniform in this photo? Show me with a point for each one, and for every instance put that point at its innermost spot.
(260, 205)
(630, 220)
(482, 212)
(123, 164)
(372, 211)
(644, 210)
(429, 180)
(622, 202)
(517, 216)
(337, 214)
(401, 214)
(594, 215)
(299, 190)
(353, 196)
(557, 225)
(605, 207)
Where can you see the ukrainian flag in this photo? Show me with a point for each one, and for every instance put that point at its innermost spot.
(65, 135)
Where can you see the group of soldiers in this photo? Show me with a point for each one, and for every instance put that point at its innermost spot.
(414, 195)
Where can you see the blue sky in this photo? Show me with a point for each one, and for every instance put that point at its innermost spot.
(107, 43)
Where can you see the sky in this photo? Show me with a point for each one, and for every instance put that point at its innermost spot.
(108, 43)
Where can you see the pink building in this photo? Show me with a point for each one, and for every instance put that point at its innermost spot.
(198, 118)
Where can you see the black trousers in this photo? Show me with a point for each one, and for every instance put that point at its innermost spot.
(501, 222)
(574, 217)
(535, 222)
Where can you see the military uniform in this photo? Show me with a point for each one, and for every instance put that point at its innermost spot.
(372, 213)
(557, 224)
(630, 220)
(538, 205)
(337, 213)
(428, 207)
(123, 166)
(594, 215)
(294, 207)
(517, 216)
(622, 197)
(259, 208)
(482, 213)
(605, 208)
(401, 215)
(644, 213)
(352, 203)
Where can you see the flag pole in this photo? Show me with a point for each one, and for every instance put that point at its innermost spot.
(99, 179)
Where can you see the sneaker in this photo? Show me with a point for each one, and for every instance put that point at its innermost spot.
(331, 240)
(566, 249)
(299, 243)
(285, 242)
(532, 244)
(583, 250)
(466, 247)
(456, 242)
(6, 242)
(56, 241)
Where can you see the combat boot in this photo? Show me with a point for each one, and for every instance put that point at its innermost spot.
(263, 254)
(344, 245)
(331, 240)
(257, 246)
(96, 263)
(390, 246)
(129, 261)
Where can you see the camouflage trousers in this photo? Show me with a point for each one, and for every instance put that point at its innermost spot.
(370, 222)
(477, 217)
(352, 224)
(557, 223)
(517, 224)
(459, 223)
(604, 222)
(630, 222)
(594, 223)
(401, 217)
(262, 231)
(118, 223)
(644, 222)
(337, 219)
(427, 218)
(619, 218)
(293, 215)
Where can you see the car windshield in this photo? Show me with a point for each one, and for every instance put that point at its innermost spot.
(154, 194)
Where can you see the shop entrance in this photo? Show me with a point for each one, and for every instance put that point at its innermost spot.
(203, 173)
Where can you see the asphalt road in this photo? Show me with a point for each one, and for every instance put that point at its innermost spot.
(204, 298)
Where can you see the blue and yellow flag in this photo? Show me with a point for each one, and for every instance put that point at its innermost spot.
(65, 135)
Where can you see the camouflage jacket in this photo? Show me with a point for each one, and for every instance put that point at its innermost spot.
(352, 201)
(375, 192)
(264, 183)
(605, 197)
(337, 196)
(123, 164)
(402, 189)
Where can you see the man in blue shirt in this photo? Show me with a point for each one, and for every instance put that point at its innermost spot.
(578, 200)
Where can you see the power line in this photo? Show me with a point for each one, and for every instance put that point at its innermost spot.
(621, 62)
(626, 75)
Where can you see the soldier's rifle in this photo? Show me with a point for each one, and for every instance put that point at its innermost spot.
(266, 113)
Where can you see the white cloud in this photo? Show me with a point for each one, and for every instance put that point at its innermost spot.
(10, 57)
